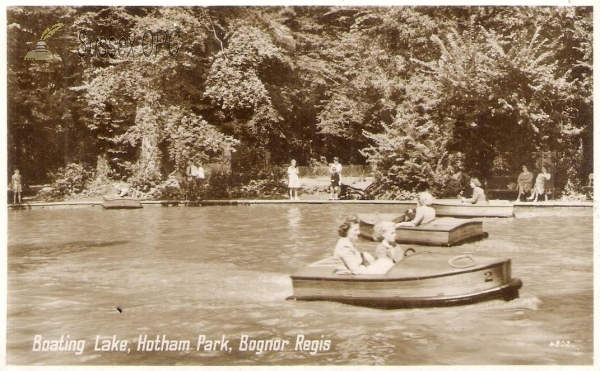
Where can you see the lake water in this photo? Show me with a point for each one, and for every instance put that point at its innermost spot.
(223, 272)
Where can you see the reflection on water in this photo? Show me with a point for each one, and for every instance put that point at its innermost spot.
(223, 272)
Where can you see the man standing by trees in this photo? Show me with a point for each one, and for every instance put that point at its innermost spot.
(191, 171)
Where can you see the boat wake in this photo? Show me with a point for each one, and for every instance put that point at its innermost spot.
(526, 301)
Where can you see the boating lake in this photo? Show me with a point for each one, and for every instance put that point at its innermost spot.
(104, 278)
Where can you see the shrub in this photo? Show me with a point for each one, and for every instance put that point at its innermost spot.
(71, 179)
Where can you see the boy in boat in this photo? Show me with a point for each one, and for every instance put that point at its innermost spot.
(122, 189)
(424, 214)
(387, 248)
(351, 261)
(478, 193)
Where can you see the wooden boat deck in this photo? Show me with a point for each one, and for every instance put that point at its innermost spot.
(440, 232)
(416, 266)
(419, 280)
(121, 203)
(454, 208)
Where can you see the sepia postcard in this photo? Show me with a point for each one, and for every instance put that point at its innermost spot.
(281, 184)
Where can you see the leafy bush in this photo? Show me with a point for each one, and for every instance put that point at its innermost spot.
(168, 190)
(225, 185)
(572, 192)
(316, 164)
(71, 179)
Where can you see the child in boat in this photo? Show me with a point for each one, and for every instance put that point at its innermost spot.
(478, 193)
(351, 261)
(387, 248)
(425, 213)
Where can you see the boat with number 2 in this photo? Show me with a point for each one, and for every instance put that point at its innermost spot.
(420, 279)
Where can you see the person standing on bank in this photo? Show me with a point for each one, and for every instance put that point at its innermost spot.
(191, 171)
(201, 174)
(336, 178)
(293, 181)
(16, 183)
(524, 182)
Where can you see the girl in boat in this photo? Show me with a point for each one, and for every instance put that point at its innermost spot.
(425, 213)
(352, 261)
(387, 248)
(478, 193)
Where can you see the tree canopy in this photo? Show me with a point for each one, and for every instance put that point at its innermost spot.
(428, 96)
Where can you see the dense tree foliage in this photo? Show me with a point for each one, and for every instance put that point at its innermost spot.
(426, 95)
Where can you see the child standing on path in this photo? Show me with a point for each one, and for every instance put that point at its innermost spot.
(293, 181)
(16, 183)
(336, 178)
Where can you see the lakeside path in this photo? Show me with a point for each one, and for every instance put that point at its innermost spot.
(308, 196)
(182, 203)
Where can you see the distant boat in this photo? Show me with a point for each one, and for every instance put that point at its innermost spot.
(440, 232)
(494, 208)
(116, 202)
(356, 191)
(422, 279)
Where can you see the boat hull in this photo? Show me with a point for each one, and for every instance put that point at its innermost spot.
(121, 203)
(440, 232)
(420, 280)
(494, 209)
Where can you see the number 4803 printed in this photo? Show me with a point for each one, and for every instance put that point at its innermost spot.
(561, 344)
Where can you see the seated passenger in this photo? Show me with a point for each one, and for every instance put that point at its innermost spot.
(387, 248)
(424, 214)
(122, 189)
(540, 185)
(478, 193)
(524, 183)
(351, 261)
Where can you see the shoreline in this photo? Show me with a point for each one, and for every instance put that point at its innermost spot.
(241, 202)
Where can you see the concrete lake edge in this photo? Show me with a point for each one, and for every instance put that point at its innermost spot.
(236, 202)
